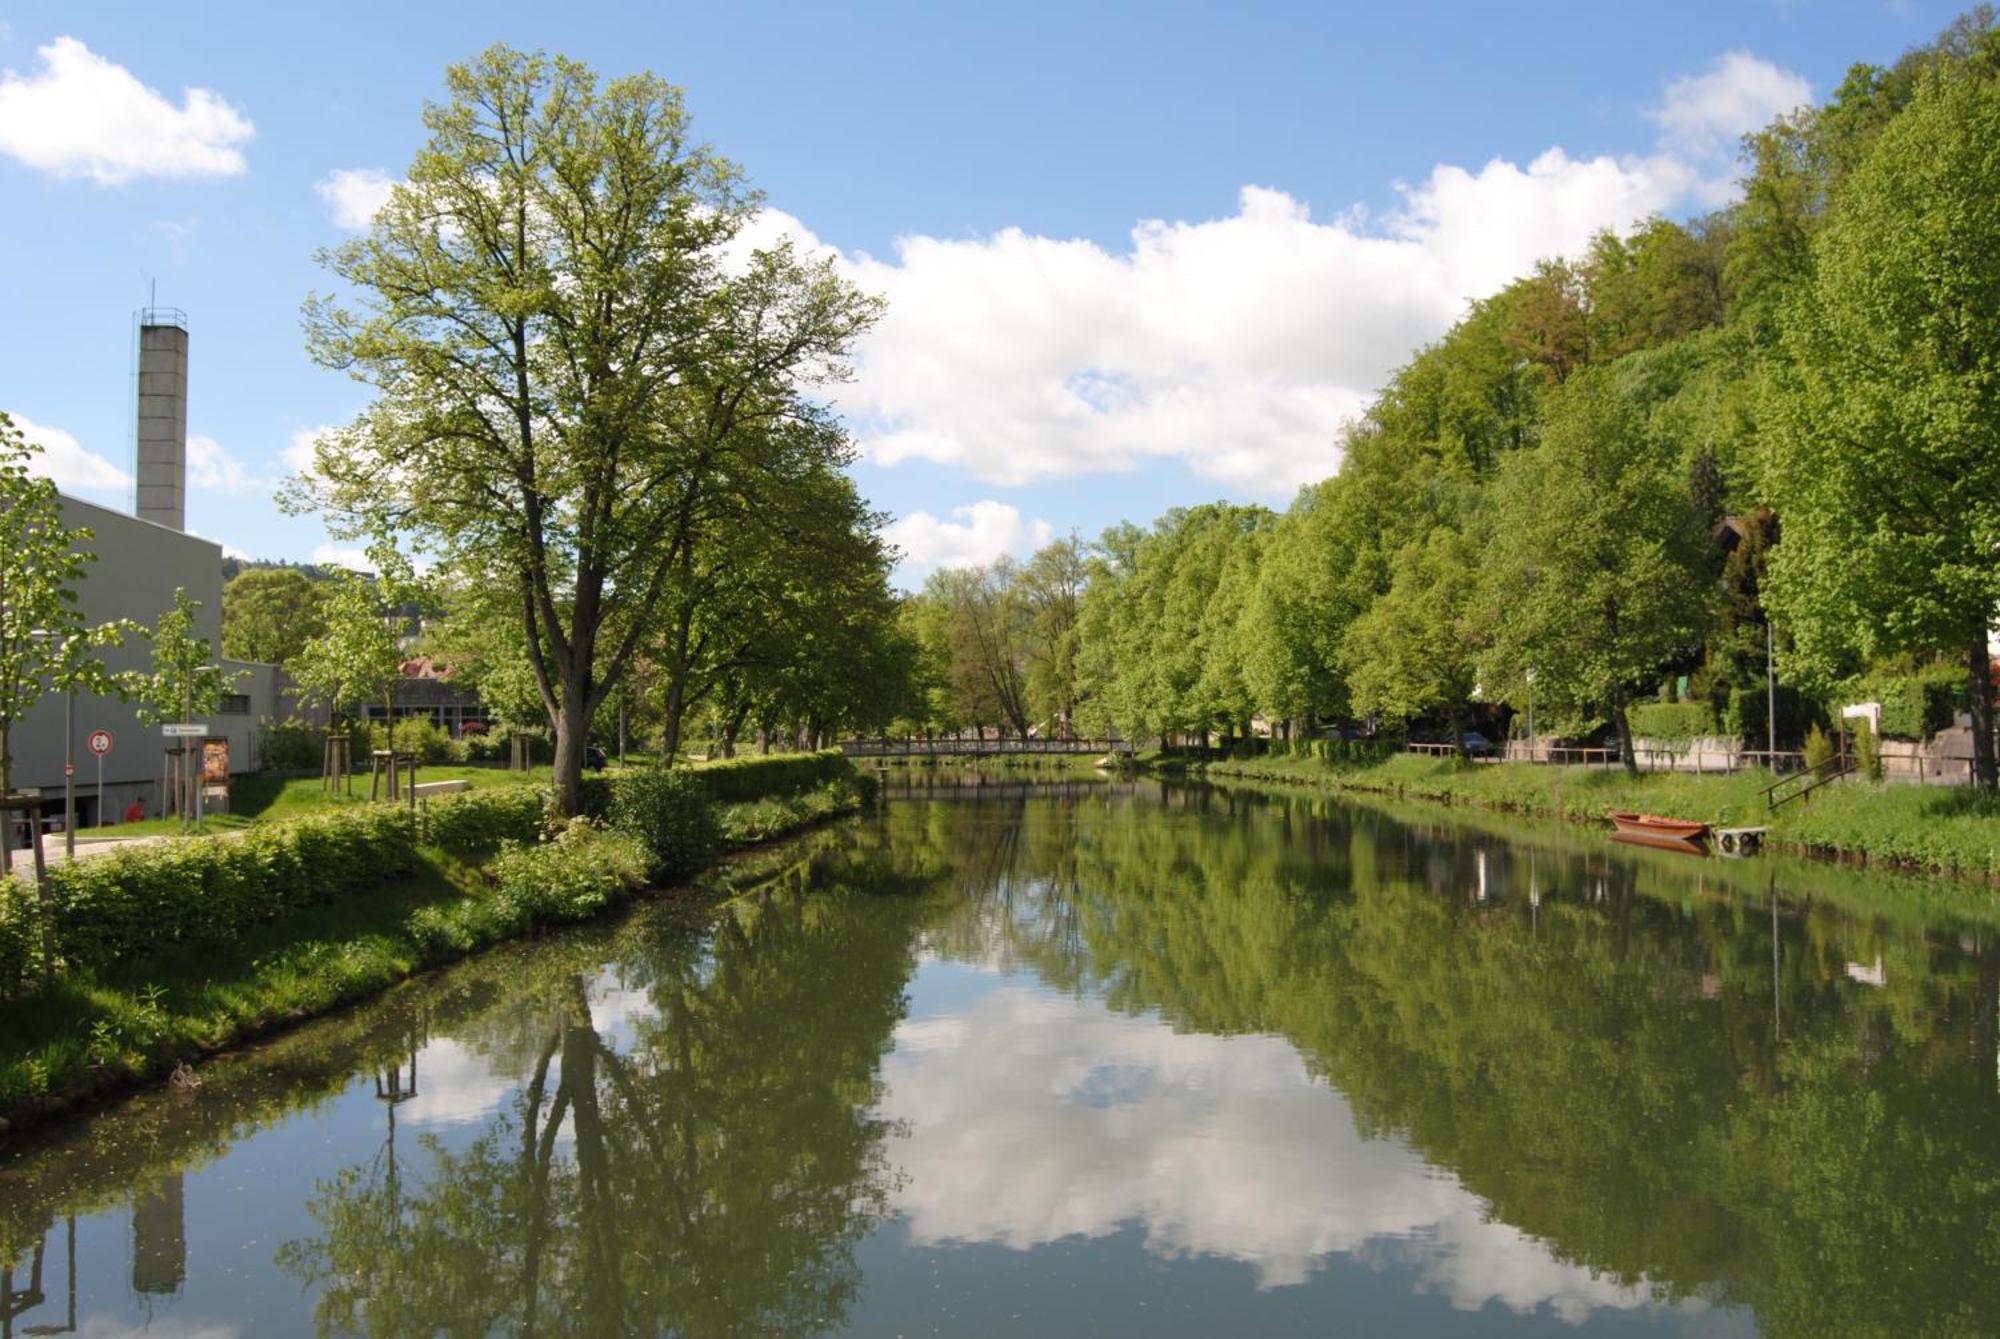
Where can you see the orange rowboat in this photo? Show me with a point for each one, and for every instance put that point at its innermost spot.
(1651, 825)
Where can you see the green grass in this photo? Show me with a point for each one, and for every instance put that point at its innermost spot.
(266, 797)
(1947, 829)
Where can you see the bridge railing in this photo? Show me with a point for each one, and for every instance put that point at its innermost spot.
(953, 748)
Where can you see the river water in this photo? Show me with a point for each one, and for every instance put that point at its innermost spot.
(1099, 1059)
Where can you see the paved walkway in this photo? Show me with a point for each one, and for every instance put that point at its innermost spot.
(53, 853)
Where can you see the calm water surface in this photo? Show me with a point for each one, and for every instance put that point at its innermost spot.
(1099, 1060)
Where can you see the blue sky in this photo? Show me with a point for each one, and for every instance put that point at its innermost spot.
(1136, 255)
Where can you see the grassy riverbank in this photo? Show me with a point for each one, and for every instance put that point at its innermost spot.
(99, 1026)
(1944, 829)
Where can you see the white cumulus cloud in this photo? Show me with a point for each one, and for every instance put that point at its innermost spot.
(210, 465)
(81, 115)
(1706, 114)
(1238, 345)
(978, 534)
(67, 462)
(352, 195)
(340, 555)
(298, 453)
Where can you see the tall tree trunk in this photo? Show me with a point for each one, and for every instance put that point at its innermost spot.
(572, 737)
(676, 706)
(1980, 663)
(1624, 727)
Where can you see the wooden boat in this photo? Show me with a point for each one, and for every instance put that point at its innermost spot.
(1659, 842)
(1652, 825)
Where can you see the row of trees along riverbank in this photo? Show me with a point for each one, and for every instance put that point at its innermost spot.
(1776, 426)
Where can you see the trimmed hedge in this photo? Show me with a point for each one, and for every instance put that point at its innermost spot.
(474, 824)
(205, 890)
(733, 780)
(1671, 721)
(1915, 705)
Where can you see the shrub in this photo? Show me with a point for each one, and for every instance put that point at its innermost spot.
(1867, 750)
(1819, 749)
(22, 966)
(420, 735)
(1672, 722)
(667, 811)
(733, 780)
(206, 890)
(474, 824)
(581, 873)
(291, 745)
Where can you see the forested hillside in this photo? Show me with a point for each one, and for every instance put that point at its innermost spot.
(1609, 479)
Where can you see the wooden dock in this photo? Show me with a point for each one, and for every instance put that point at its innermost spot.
(1740, 841)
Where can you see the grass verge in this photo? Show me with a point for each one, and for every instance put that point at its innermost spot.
(1945, 829)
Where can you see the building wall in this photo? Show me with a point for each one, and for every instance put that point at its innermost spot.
(139, 566)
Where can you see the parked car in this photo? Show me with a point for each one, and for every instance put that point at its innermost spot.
(1478, 745)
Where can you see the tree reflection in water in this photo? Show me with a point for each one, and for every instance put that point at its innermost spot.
(706, 1174)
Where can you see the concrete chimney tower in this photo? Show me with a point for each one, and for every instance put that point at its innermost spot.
(163, 385)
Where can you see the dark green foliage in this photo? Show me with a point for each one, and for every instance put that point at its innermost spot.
(206, 890)
(1672, 721)
(757, 778)
(291, 745)
(667, 812)
(1916, 704)
(22, 960)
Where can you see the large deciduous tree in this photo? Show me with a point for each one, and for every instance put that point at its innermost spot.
(579, 360)
(1415, 651)
(1594, 575)
(1884, 415)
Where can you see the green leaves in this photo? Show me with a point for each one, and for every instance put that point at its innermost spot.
(185, 683)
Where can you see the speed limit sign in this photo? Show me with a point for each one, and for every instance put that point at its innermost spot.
(100, 742)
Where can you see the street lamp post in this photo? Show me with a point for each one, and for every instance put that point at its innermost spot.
(1531, 716)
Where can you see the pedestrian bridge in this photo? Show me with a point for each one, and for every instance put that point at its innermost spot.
(912, 747)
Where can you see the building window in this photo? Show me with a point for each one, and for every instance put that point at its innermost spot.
(235, 704)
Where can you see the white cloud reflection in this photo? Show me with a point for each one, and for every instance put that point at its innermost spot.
(1032, 1118)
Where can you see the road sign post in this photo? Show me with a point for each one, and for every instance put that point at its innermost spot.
(187, 779)
(100, 744)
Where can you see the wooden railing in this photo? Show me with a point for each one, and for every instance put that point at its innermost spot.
(1805, 783)
(913, 747)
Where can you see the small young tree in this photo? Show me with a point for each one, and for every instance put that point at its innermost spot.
(43, 639)
(356, 660)
(185, 683)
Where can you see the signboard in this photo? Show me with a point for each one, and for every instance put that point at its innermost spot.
(100, 742)
(190, 730)
(215, 762)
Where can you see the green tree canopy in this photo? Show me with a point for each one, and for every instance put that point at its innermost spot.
(270, 613)
(1884, 415)
(578, 369)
